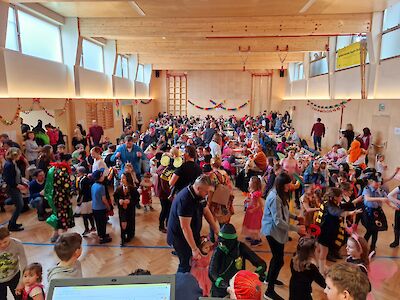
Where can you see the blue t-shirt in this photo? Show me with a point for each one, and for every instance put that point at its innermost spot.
(369, 191)
(98, 191)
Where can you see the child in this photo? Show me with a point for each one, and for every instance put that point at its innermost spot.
(145, 190)
(32, 281)
(200, 267)
(245, 285)
(346, 281)
(332, 228)
(254, 212)
(100, 206)
(68, 249)
(281, 147)
(13, 260)
(84, 201)
(380, 165)
(357, 251)
(129, 168)
(309, 204)
(304, 270)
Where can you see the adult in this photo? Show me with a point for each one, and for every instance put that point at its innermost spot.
(24, 127)
(45, 157)
(186, 219)
(209, 133)
(96, 133)
(36, 193)
(31, 148)
(12, 176)
(293, 137)
(129, 152)
(349, 134)
(79, 136)
(318, 132)
(215, 145)
(276, 226)
(139, 121)
(394, 197)
(187, 173)
(366, 138)
(5, 140)
(149, 138)
(260, 159)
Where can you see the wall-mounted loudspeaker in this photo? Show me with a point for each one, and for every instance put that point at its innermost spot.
(157, 73)
(282, 73)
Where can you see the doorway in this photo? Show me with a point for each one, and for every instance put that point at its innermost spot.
(380, 134)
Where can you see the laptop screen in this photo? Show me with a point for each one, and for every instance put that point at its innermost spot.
(140, 291)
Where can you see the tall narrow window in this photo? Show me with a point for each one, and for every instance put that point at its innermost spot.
(297, 71)
(39, 38)
(92, 56)
(177, 96)
(318, 64)
(140, 73)
(391, 32)
(12, 32)
(121, 69)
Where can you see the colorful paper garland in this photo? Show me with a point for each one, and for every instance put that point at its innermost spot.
(36, 101)
(219, 105)
(205, 108)
(231, 109)
(328, 108)
(15, 119)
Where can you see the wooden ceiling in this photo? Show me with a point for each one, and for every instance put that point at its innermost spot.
(219, 34)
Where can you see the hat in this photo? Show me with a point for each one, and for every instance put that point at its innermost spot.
(228, 232)
(96, 175)
(246, 285)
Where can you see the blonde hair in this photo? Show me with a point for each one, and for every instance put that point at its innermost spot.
(13, 153)
(216, 162)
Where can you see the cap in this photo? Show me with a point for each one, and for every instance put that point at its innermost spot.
(96, 175)
(246, 285)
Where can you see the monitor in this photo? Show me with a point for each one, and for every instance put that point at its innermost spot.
(141, 287)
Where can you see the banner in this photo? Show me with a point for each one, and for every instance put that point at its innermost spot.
(348, 56)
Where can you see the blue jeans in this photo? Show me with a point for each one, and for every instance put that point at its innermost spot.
(38, 203)
(16, 199)
(317, 142)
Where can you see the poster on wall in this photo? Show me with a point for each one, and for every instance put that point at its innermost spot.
(348, 56)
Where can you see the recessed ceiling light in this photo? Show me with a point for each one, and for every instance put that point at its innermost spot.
(163, 37)
(137, 8)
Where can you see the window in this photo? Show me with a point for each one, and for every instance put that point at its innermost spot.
(92, 56)
(346, 40)
(318, 64)
(140, 73)
(391, 32)
(177, 96)
(297, 71)
(122, 66)
(34, 35)
(12, 31)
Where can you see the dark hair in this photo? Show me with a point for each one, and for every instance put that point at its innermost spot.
(331, 194)
(366, 131)
(140, 272)
(283, 139)
(128, 138)
(345, 167)
(129, 179)
(37, 172)
(346, 186)
(191, 151)
(305, 250)
(4, 232)
(319, 120)
(270, 161)
(67, 244)
(281, 180)
(35, 268)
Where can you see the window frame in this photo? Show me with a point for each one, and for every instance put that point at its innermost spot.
(364, 36)
(323, 56)
(383, 32)
(122, 57)
(296, 71)
(137, 73)
(39, 17)
(82, 61)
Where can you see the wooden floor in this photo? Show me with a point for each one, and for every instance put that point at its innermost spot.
(149, 249)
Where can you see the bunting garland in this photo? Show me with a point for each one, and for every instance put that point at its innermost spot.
(219, 106)
(36, 101)
(328, 108)
(143, 101)
(15, 119)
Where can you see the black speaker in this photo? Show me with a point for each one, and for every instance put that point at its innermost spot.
(282, 73)
(157, 73)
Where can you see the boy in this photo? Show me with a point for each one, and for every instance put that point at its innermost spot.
(100, 206)
(346, 282)
(36, 193)
(13, 261)
(68, 249)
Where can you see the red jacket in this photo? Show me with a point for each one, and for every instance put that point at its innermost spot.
(318, 129)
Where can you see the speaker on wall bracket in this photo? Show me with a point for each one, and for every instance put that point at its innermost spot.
(157, 73)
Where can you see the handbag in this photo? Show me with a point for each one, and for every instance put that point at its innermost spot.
(375, 219)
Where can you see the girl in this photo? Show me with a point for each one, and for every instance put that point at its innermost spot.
(357, 251)
(380, 165)
(32, 281)
(126, 196)
(289, 164)
(146, 186)
(304, 271)
(309, 204)
(84, 201)
(200, 267)
(313, 174)
(129, 169)
(254, 212)
(329, 219)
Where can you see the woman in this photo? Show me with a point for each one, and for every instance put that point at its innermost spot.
(45, 158)
(12, 176)
(357, 154)
(313, 174)
(98, 164)
(349, 134)
(366, 139)
(276, 226)
(79, 136)
(31, 148)
(126, 197)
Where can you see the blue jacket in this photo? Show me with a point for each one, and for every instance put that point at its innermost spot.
(130, 157)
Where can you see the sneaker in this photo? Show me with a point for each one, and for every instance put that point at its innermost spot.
(105, 240)
(15, 228)
(85, 233)
(256, 243)
(42, 218)
(249, 239)
(272, 295)
(394, 244)
(54, 238)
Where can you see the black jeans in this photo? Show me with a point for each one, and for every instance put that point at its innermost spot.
(12, 284)
(276, 262)
(317, 142)
(184, 254)
(164, 214)
(100, 216)
(16, 198)
(374, 235)
(86, 219)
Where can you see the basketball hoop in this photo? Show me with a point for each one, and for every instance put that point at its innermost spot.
(244, 59)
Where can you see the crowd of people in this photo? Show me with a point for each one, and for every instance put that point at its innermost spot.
(194, 165)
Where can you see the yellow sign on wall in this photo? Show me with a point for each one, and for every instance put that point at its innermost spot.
(348, 56)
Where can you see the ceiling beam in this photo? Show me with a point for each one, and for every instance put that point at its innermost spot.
(222, 46)
(190, 66)
(304, 25)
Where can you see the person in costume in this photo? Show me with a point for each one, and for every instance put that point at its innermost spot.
(200, 266)
(245, 285)
(145, 190)
(229, 258)
(57, 192)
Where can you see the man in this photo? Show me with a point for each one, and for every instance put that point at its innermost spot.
(129, 152)
(139, 121)
(187, 173)
(346, 282)
(318, 132)
(96, 133)
(149, 138)
(36, 193)
(209, 133)
(215, 145)
(185, 221)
